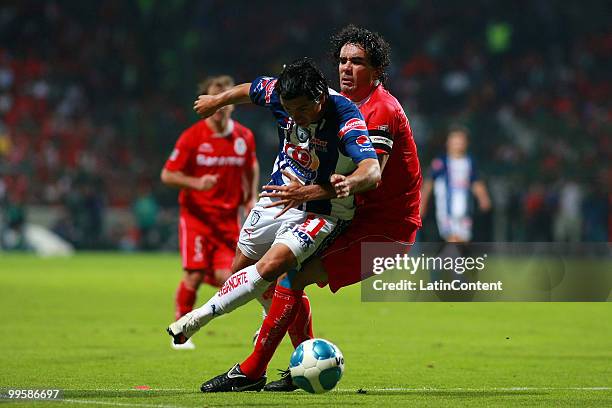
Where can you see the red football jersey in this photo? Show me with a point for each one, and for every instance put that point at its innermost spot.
(199, 151)
(398, 196)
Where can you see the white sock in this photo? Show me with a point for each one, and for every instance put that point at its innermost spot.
(242, 287)
(265, 300)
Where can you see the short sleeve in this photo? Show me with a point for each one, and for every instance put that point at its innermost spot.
(437, 168)
(353, 133)
(262, 91)
(181, 152)
(382, 125)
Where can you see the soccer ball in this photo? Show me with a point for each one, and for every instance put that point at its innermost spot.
(316, 366)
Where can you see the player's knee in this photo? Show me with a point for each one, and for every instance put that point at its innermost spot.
(270, 268)
(275, 262)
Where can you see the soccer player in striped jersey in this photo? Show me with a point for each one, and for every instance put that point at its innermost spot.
(453, 178)
(324, 148)
(390, 213)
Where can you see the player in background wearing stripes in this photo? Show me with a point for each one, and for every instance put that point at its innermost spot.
(453, 178)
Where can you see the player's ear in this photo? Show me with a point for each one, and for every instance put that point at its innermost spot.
(378, 74)
(323, 98)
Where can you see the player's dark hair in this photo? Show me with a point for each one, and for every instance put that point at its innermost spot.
(301, 78)
(376, 48)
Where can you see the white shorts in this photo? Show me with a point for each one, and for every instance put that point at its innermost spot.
(301, 231)
(460, 227)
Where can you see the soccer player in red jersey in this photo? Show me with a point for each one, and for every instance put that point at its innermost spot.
(214, 165)
(390, 213)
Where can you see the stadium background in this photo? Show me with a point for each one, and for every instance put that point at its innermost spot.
(94, 94)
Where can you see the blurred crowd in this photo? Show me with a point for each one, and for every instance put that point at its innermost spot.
(94, 94)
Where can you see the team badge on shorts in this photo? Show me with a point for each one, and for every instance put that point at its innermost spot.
(255, 217)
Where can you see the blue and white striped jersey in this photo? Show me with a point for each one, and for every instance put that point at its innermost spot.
(453, 178)
(334, 144)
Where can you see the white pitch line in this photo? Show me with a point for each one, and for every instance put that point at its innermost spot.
(372, 389)
(426, 389)
(340, 390)
(127, 389)
(120, 404)
(406, 389)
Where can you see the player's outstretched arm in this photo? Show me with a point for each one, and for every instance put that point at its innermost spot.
(180, 180)
(206, 105)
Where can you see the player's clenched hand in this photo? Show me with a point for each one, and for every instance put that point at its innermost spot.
(341, 185)
(291, 195)
(206, 182)
(205, 105)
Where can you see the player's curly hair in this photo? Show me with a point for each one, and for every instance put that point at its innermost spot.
(376, 48)
(301, 78)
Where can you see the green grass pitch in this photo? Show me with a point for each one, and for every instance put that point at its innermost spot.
(93, 325)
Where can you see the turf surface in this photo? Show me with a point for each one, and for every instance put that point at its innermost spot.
(93, 325)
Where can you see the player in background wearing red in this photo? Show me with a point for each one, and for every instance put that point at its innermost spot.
(390, 213)
(214, 165)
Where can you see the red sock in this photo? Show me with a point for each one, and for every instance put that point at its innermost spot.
(301, 328)
(184, 300)
(285, 305)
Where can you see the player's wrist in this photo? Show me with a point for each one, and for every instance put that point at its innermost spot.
(194, 183)
(320, 192)
(220, 100)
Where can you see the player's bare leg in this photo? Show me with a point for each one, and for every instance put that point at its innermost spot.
(241, 261)
(312, 271)
(242, 287)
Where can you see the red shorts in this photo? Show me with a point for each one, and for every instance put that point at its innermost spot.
(207, 242)
(342, 260)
